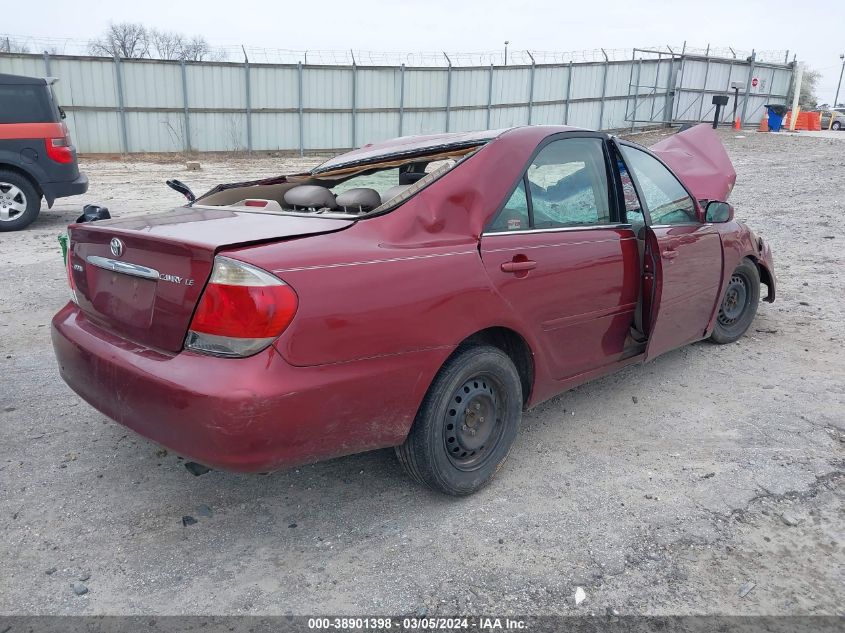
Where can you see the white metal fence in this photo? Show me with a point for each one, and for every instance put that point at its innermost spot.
(127, 106)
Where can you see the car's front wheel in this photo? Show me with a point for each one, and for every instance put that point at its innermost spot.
(739, 304)
(20, 203)
(466, 424)
(836, 125)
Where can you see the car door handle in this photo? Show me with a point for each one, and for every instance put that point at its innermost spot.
(518, 266)
(670, 254)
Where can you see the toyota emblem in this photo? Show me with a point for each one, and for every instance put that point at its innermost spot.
(116, 247)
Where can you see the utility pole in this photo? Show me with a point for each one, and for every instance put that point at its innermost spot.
(839, 85)
(796, 94)
(506, 52)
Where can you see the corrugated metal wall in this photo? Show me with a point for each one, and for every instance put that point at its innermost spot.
(162, 106)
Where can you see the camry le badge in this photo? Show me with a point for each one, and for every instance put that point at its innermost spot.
(116, 247)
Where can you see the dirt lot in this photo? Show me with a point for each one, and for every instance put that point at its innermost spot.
(708, 481)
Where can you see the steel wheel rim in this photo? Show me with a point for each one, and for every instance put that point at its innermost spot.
(735, 302)
(12, 202)
(473, 423)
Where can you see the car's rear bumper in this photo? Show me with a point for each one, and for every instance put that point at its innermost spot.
(64, 188)
(252, 414)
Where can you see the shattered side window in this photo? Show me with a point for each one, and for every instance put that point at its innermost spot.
(633, 208)
(668, 202)
(514, 216)
(568, 182)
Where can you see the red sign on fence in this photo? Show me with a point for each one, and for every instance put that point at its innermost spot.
(754, 82)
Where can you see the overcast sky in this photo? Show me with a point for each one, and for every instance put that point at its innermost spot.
(814, 29)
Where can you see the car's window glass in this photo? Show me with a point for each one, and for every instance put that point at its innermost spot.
(514, 216)
(26, 104)
(568, 183)
(381, 181)
(667, 201)
(633, 208)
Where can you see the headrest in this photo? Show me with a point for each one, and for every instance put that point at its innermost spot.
(310, 197)
(359, 199)
(391, 193)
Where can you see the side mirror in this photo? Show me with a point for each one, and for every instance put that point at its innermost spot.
(719, 212)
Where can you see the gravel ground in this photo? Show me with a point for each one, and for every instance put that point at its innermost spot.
(707, 481)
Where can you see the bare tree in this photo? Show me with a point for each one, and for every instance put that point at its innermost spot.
(9, 46)
(129, 40)
(166, 44)
(197, 49)
(807, 98)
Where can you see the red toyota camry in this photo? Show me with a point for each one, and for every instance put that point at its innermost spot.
(418, 293)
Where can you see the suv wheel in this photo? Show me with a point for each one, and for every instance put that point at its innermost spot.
(20, 203)
(836, 125)
(467, 423)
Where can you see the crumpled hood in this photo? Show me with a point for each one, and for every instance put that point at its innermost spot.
(699, 159)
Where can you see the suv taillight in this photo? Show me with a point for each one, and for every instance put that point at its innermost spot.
(241, 311)
(60, 149)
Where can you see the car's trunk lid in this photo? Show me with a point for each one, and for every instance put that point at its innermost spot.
(146, 287)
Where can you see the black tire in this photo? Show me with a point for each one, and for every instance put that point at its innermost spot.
(20, 202)
(836, 125)
(466, 425)
(739, 304)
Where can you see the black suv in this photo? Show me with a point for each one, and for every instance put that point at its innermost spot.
(36, 157)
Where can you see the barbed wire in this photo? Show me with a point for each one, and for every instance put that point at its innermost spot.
(261, 55)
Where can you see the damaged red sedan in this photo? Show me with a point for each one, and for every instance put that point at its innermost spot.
(418, 293)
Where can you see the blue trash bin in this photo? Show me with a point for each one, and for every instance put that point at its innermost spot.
(775, 120)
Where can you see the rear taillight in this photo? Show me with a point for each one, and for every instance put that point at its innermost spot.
(241, 311)
(60, 149)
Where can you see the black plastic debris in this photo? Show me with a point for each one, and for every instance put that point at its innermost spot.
(196, 469)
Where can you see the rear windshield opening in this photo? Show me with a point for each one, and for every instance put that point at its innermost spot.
(351, 191)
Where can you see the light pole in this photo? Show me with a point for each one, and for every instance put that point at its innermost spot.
(839, 85)
(506, 52)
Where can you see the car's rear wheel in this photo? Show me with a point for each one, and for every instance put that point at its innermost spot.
(19, 201)
(836, 125)
(467, 422)
(739, 304)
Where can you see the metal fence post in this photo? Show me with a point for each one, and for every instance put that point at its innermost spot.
(121, 108)
(568, 92)
(299, 107)
(47, 64)
(401, 96)
(630, 84)
(248, 109)
(531, 87)
(704, 87)
(636, 94)
(669, 99)
(354, 99)
(489, 95)
(676, 100)
(654, 92)
(448, 89)
(748, 87)
(187, 139)
(603, 90)
(728, 87)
